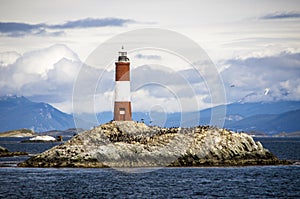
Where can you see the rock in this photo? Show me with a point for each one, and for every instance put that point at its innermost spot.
(3, 150)
(5, 153)
(133, 144)
(18, 133)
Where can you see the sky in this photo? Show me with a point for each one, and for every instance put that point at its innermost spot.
(60, 51)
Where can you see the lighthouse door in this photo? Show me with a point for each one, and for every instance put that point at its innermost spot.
(122, 114)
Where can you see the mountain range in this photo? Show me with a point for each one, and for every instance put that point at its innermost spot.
(19, 112)
(268, 117)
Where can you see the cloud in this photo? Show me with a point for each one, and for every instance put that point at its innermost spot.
(281, 15)
(41, 61)
(18, 27)
(15, 29)
(148, 57)
(50, 74)
(46, 75)
(151, 85)
(7, 58)
(251, 76)
(163, 82)
(92, 23)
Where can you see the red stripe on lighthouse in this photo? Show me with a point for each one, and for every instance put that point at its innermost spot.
(122, 71)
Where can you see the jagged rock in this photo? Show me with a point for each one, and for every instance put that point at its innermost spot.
(132, 144)
(5, 153)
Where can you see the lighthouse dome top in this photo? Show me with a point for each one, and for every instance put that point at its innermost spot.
(123, 56)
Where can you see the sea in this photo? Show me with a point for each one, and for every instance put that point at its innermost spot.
(199, 182)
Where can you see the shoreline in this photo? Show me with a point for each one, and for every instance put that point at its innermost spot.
(296, 163)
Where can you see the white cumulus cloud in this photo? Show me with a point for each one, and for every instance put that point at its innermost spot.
(7, 58)
(44, 75)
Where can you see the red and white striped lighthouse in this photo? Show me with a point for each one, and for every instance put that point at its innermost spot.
(122, 109)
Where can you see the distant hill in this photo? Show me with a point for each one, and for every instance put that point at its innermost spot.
(284, 134)
(18, 133)
(270, 123)
(19, 112)
(66, 133)
(263, 117)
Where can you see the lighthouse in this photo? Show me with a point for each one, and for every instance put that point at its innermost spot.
(122, 107)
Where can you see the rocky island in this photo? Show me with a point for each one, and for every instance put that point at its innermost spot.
(5, 153)
(18, 133)
(132, 144)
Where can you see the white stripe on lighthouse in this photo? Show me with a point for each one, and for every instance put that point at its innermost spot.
(122, 91)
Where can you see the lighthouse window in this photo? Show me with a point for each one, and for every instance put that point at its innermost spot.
(122, 111)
